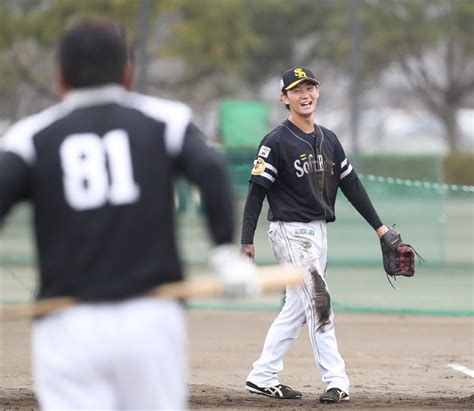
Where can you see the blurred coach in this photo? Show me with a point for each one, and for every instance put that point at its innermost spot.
(98, 168)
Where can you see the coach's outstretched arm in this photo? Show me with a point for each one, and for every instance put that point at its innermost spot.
(207, 168)
(14, 181)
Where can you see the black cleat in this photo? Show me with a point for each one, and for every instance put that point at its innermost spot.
(279, 391)
(332, 396)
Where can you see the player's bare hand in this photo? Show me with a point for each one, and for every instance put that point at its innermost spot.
(237, 273)
(248, 250)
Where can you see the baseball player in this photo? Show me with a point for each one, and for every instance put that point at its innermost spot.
(98, 169)
(299, 167)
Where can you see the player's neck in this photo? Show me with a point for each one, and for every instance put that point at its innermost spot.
(305, 124)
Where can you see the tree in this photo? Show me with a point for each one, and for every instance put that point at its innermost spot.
(433, 43)
(244, 38)
(211, 48)
(29, 30)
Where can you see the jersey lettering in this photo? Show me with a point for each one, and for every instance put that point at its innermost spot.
(88, 182)
(299, 169)
(309, 164)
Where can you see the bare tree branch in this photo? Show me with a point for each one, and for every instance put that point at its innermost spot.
(27, 76)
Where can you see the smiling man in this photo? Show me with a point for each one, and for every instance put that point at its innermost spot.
(299, 167)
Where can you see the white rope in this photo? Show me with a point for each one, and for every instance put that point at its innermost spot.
(417, 183)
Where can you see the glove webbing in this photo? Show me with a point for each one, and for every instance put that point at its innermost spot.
(420, 260)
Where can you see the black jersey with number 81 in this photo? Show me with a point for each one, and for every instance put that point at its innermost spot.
(98, 169)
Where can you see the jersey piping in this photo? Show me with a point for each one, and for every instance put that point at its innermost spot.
(19, 139)
(176, 116)
(163, 110)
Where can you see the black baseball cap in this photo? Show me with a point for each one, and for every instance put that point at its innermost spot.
(294, 76)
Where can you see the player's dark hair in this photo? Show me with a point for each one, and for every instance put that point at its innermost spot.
(286, 105)
(93, 52)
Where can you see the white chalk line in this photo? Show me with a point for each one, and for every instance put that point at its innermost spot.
(462, 368)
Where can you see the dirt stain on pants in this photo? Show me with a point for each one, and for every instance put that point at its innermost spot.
(322, 300)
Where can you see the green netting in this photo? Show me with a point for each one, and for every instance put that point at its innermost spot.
(438, 219)
(242, 123)
(442, 290)
(413, 167)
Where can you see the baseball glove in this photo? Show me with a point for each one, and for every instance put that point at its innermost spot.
(398, 257)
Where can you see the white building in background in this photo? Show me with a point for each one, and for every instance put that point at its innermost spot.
(388, 123)
(395, 130)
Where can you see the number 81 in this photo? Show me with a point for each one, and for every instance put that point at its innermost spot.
(88, 182)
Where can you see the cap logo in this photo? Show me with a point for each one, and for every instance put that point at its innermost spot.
(299, 72)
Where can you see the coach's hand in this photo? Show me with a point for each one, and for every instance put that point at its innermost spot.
(248, 250)
(237, 273)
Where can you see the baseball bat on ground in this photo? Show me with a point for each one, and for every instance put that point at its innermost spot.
(272, 278)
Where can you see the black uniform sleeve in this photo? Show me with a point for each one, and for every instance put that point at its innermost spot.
(265, 166)
(358, 197)
(14, 181)
(205, 167)
(253, 207)
(353, 189)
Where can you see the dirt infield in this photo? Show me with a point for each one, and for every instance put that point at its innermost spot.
(393, 361)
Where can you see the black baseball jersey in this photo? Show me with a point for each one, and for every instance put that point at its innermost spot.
(300, 175)
(98, 169)
(301, 172)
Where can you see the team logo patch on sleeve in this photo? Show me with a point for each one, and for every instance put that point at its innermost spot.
(258, 166)
(264, 151)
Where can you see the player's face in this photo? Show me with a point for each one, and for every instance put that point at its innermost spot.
(302, 99)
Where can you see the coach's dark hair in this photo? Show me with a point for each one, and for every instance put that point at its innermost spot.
(93, 52)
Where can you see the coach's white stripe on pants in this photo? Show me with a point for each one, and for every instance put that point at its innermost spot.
(463, 369)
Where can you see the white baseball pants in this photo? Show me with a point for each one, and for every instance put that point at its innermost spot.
(303, 245)
(129, 355)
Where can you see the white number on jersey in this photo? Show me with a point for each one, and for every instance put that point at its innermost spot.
(88, 182)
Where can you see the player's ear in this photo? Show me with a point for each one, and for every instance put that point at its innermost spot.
(284, 100)
(61, 88)
(128, 78)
